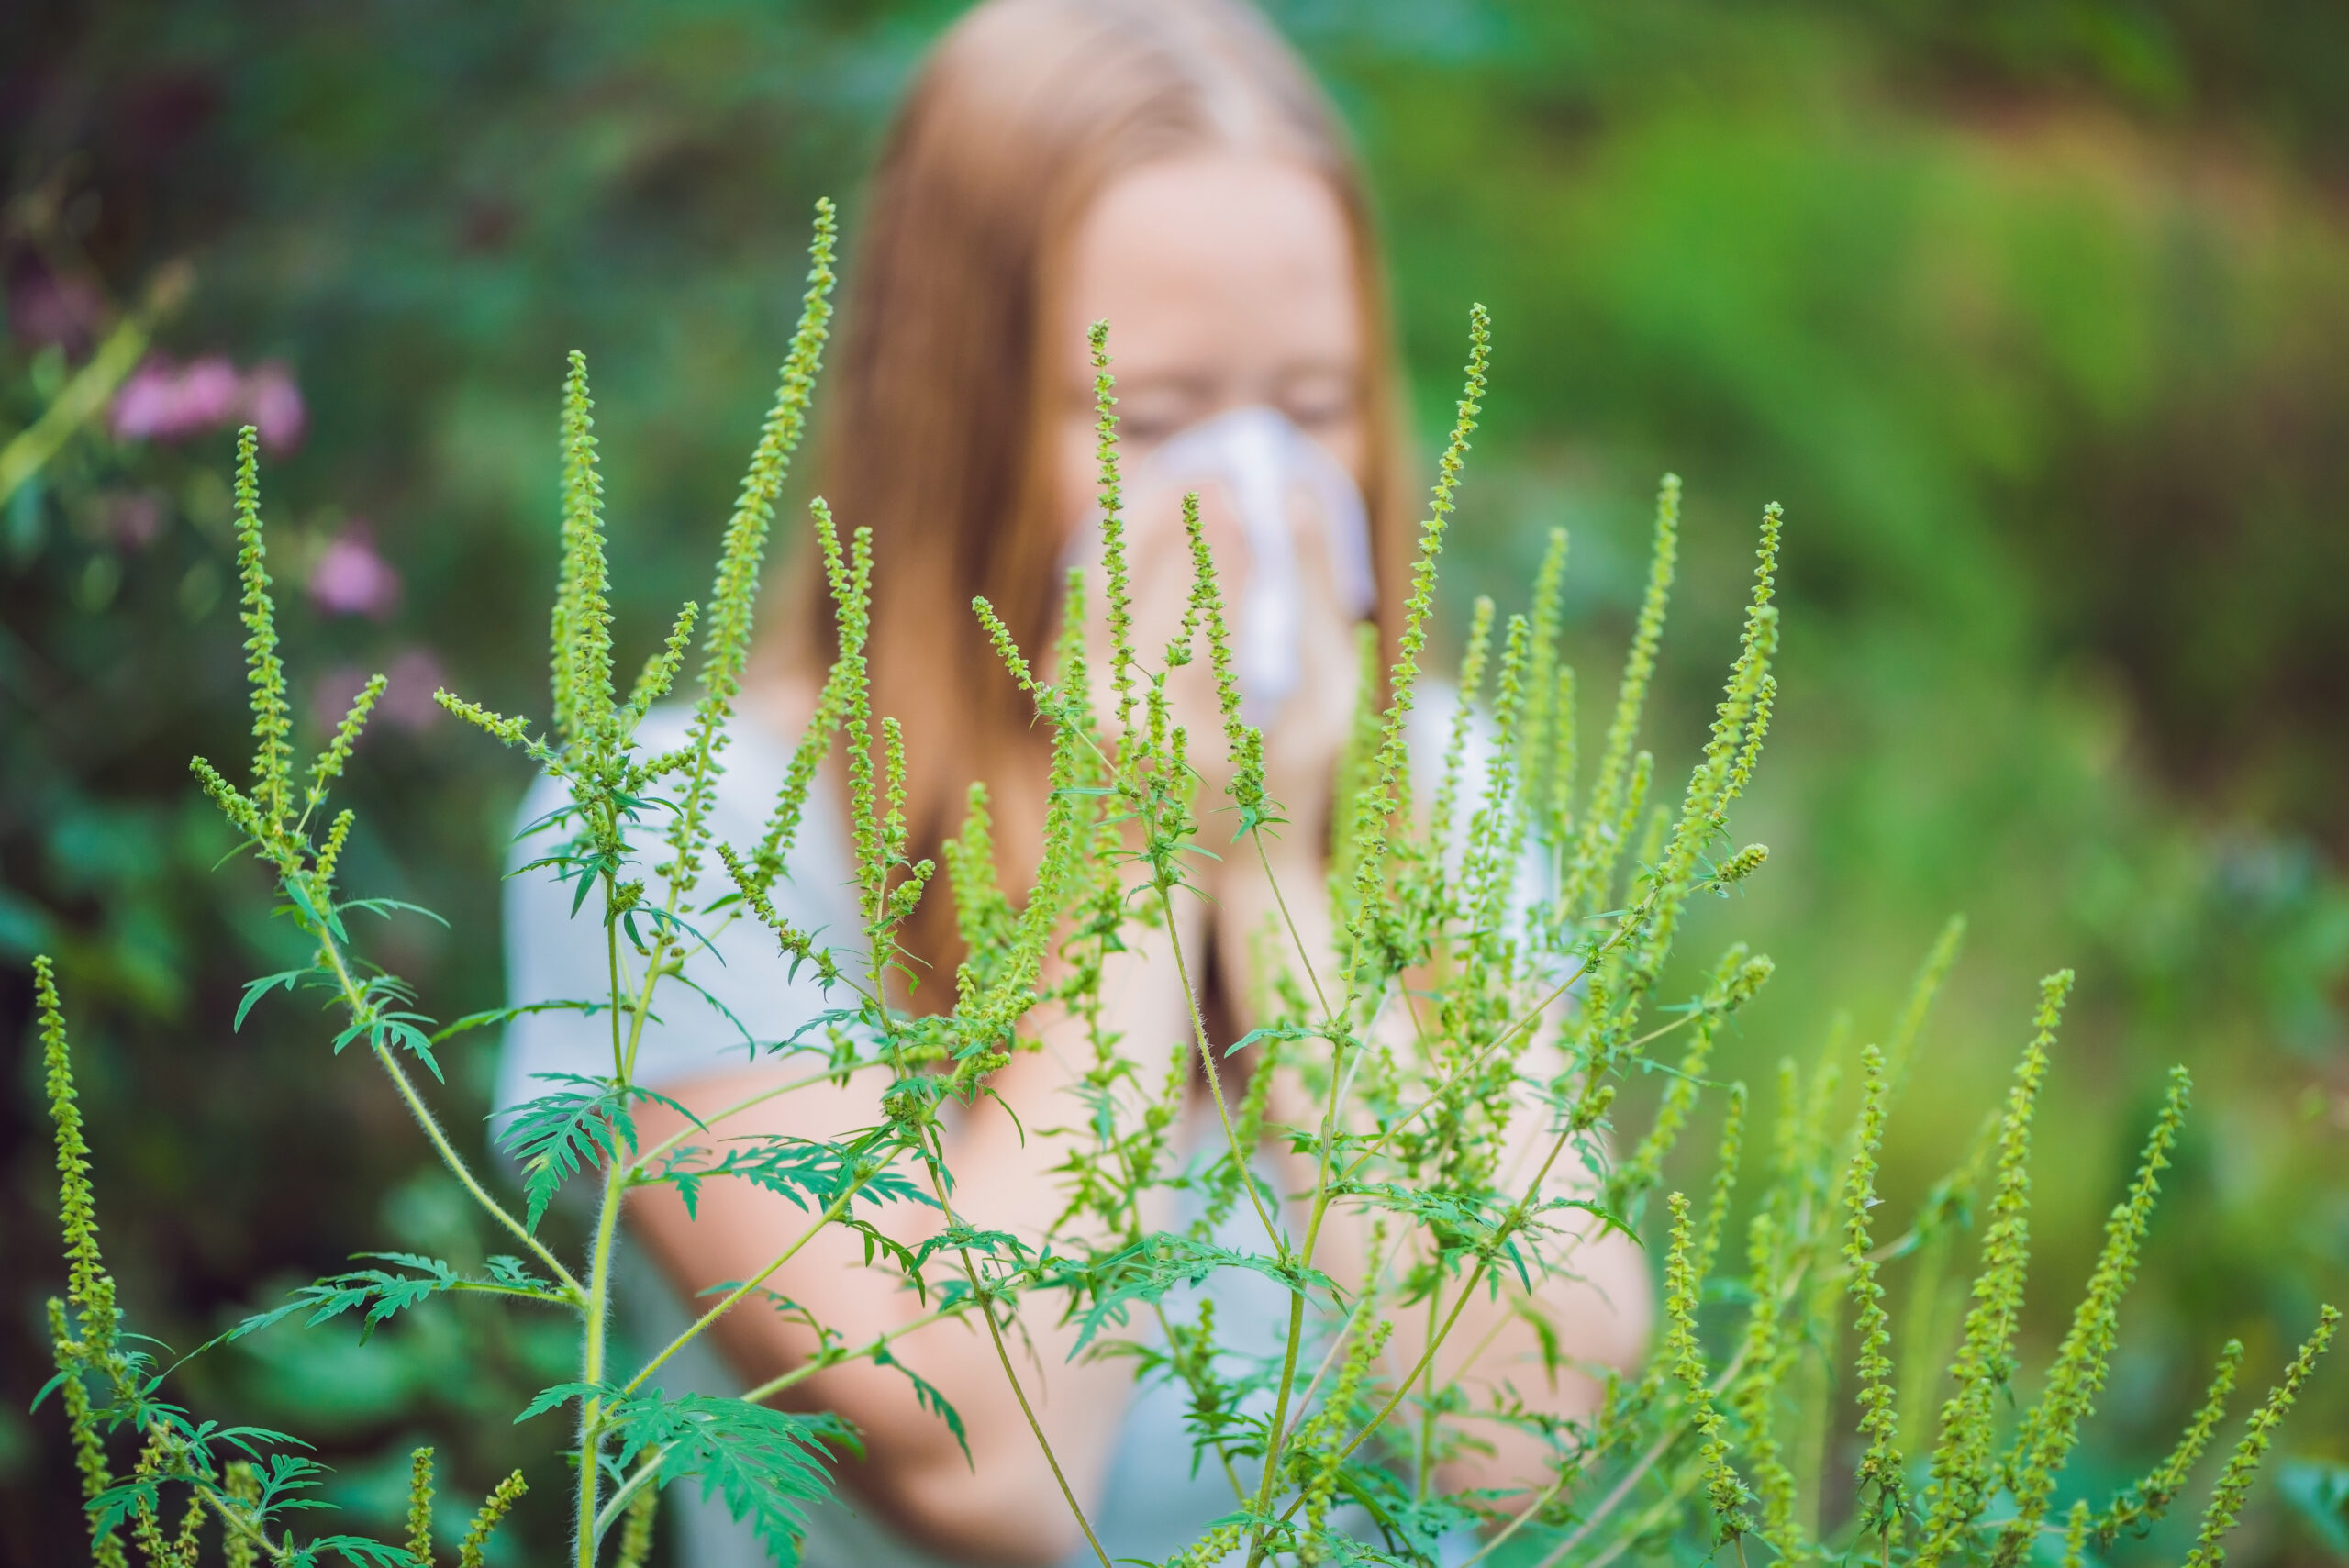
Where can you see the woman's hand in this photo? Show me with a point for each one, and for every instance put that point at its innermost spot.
(1305, 733)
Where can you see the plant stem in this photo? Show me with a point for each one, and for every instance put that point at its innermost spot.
(815, 1364)
(356, 1002)
(833, 1211)
(1483, 1265)
(590, 1363)
(1011, 1374)
(1275, 1435)
(456, 1165)
(654, 1151)
(1215, 1083)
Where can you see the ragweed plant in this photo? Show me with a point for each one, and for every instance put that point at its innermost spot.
(1502, 925)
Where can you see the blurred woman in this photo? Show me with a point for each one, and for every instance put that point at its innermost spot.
(1169, 167)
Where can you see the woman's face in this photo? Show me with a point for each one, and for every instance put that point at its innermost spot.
(1227, 279)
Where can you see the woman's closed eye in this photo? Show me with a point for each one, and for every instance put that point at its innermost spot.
(1318, 401)
(1150, 412)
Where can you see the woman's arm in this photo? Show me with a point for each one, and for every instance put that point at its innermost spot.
(1599, 1309)
(1002, 1505)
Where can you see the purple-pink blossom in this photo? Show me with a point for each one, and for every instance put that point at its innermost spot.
(165, 400)
(350, 579)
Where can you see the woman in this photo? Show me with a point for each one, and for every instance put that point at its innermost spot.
(1167, 166)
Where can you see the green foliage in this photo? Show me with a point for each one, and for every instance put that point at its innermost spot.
(1475, 1003)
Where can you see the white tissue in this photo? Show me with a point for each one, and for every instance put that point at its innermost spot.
(1263, 460)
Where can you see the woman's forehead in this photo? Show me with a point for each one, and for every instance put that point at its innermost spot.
(1217, 257)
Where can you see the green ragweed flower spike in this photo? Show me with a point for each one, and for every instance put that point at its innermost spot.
(1473, 659)
(512, 731)
(636, 1531)
(1495, 834)
(1712, 784)
(1542, 712)
(1740, 866)
(2148, 1500)
(1246, 742)
(331, 761)
(1565, 757)
(1922, 991)
(1594, 858)
(1881, 1466)
(1120, 601)
(1963, 1467)
(87, 1341)
(1682, 1281)
(2075, 1536)
(89, 1288)
(1006, 646)
(2045, 1439)
(582, 634)
(2234, 1480)
(1388, 799)
(1725, 1163)
(734, 597)
(853, 618)
(273, 784)
(419, 1508)
(659, 671)
(493, 1508)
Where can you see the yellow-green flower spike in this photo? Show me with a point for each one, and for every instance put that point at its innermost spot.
(1472, 660)
(2048, 1430)
(1963, 1467)
(734, 597)
(1118, 605)
(2234, 1480)
(1389, 797)
(583, 611)
(331, 761)
(660, 672)
(636, 1528)
(2151, 1498)
(1930, 974)
(419, 1508)
(1683, 1282)
(1593, 858)
(815, 741)
(273, 783)
(493, 1508)
(1881, 1467)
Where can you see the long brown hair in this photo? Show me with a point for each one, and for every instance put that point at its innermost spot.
(938, 417)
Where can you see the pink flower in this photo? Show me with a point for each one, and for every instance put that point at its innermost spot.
(351, 579)
(275, 406)
(167, 401)
(170, 403)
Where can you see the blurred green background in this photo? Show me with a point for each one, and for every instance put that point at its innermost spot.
(2034, 313)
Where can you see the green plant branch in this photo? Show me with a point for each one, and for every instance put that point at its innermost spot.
(360, 1009)
(726, 1303)
(982, 1296)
